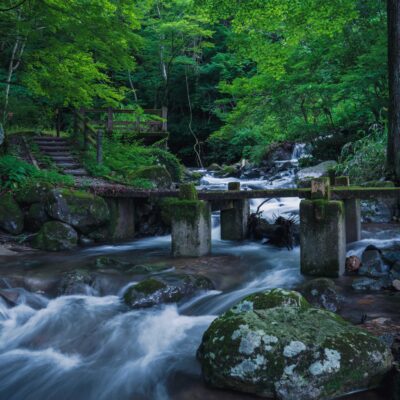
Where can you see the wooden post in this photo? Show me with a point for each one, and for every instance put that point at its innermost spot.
(109, 121)
(99, 147)
(352, 210)
(164, 115)
(58, 121)
(85, 135)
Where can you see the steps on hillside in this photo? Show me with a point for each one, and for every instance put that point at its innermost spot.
(59, 150)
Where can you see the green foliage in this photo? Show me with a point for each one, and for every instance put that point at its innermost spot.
(15, 174)
(364, 159)
(121, 159)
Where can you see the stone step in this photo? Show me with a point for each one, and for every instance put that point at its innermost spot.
(75, 172)
(66, 158)
(57, 154)
(46, 149)
(67, 165)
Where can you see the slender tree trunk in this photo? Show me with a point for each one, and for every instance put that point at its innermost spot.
(393, 150)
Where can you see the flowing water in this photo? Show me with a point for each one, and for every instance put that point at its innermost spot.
(91, 346)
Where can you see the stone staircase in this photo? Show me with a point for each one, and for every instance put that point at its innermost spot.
(59, 150)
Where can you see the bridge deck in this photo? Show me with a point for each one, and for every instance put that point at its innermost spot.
(337, 193)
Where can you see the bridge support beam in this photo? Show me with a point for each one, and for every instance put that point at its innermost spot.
(191, 224)
(122, 225)
(352, 213)
(234, 220)
(322, 233)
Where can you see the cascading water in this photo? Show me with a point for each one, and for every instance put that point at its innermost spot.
(91, 346)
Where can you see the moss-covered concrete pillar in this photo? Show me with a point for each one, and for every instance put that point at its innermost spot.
(191, 224)
(234, 220)
(122, 218)
(322, 233)
(352, 209)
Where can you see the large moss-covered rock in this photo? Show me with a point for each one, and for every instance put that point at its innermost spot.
(55, 236)
(33, 193)
(156, 174)
(76, 282)
(84, 211)
(11, 216)
(36, 217)
(274, 344)
(169, 288)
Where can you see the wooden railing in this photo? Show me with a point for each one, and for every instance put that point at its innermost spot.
(140, 123)
(91, 136)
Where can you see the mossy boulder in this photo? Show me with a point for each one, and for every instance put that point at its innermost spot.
(36, 217)
(169, 288)
(156, 174)
(11, 216)
(322, 293)
(274, 344)
(56, 236)
(33, 193)
(84, 211)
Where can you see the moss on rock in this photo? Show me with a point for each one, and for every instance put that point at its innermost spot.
(274, 344)
(156, 174)
(83, 210)
(11, 216)
(56, 236)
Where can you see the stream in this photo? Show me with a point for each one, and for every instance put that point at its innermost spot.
(90, 346)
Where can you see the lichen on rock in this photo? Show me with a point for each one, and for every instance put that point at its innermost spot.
(276, 345)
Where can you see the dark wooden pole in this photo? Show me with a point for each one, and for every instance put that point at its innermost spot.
(99, 147)
(393, 149)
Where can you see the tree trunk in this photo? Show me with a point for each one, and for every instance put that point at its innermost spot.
(393, 150)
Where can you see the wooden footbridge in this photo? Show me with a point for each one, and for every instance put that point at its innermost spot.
(330, 217)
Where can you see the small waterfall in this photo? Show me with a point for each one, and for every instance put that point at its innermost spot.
(299, 151)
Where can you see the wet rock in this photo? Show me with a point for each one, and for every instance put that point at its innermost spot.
(396, 284)
(11, 216)
(322, 293)
(395, 271)
(278, 152)
(374, 211)
(316, 171)
(156, 174)
(214, 167)
(228, 171)
(372, 263)
(274, 344)
(371, 284)
(353, 263)
(82, 210)
(85, 240)
(391, 256)
(36, 217)
(56, 236)
(169, 288)
(76, 282)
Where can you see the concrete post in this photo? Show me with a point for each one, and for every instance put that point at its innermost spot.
(122, 220)
(352, 213)
(234, 220)
(191, 224)
(322, 233)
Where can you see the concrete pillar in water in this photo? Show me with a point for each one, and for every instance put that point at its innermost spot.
(122, 220)
(352, 213)
(322, 233)
(191, 224)
(234, 220)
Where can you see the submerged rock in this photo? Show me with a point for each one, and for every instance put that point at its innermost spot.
(76, 282)
(82, 210)
(371, 284)
(56, 236)
(169, 288)
(322, 293)
(274, 344)
(11, 216)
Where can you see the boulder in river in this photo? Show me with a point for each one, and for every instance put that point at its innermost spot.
(76, 282)
(11, 216)
(372, 263)
(56, 236)
(274, 344)
(169, 288)
(316, 171)
(84, 211)
(353, 264)
(322, 293)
